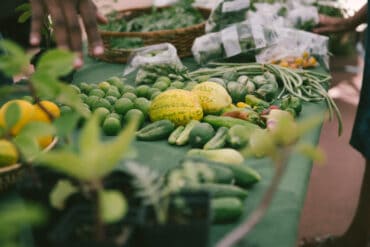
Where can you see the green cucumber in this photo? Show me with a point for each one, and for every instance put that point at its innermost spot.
(218, 190)
(222, 174)
(226, 209)
(223, 155)
(219, 139)
(156, 131)
(175, 135)
(244, 175)
(228, 122)
(238, 135)
(184, 136)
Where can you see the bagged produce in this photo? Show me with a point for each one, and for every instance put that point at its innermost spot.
(161, 3)
(226, 13)
(291, 44)
(164, 53)
(243, 37)
(208, 4)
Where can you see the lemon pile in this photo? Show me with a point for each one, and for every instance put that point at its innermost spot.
(28, 113)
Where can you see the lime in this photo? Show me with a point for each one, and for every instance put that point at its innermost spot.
(164, 79)
(130, 96)
(152, 91)
(113, 91)
(111, 126)
(123, 105)
(102, 103)
(133, 113)
(104, 85)
(114, 80)
(75, 88)
(128, 89)
(161, 85)
(83, 97)
(178, 84)
(170, 88)
(86, 106)
(111, 99)
(65, 109)
(92, 100)
(116, 115)
(85, 87)
(190, 85)
(102, 113)
(98, 92)
(143, 105)
(142, 91)
(155, 94)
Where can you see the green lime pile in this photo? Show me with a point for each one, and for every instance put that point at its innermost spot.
(116, 102)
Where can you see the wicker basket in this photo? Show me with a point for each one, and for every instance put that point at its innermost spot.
(181, 38)
(9, 175)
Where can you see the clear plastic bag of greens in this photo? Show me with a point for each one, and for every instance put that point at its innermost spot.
(269, 14)
(303, 17)
(293, 45)
(208, 4)
(161, 3)
(226, 13)
(164, 53)
(241, 38)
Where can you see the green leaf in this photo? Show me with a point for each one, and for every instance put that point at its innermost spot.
(12, 115)
(23, 7)
(113, 206)
(38, 129)
(56, 62)
(24, 16)
(14, 60)
(67, 162)
(66, 123)
(312, 152)
(28, 146)
(69, 97)
(90, 136)
(2, 131)
(116, 149)
(45, 84)
(60, 193)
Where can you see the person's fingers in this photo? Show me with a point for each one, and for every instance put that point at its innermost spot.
(59, 23)
(88, 14)
(101, 18)
(325, 29)
(73, 28)
(38, 14)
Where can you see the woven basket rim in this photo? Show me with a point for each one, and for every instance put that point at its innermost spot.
(157, 32)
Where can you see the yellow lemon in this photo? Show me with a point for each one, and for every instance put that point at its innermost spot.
(45, 141)
(26, 114)
(41, 116)
(8, 153)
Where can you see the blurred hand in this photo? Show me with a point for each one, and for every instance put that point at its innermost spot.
(329, 24)
(64, 14)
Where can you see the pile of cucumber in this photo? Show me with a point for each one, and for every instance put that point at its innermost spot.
(227, 185)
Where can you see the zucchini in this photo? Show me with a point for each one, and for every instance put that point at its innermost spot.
(226, 209)
(184, 136)
(228, 122)
(238, 136)
(156, 131)
(224, 155)
(175, 135)
(219, 139)
(218, 190)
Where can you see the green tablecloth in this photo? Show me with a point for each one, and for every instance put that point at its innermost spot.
(279, 227)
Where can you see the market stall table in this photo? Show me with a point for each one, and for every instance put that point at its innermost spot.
(279, 228)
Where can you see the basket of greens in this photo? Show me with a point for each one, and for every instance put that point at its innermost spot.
(130, 29)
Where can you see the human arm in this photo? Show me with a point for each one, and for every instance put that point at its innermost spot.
(64, 15)
(335, 25)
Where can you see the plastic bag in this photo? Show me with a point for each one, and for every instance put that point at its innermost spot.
(243, 37)
(164, 53)
(269, 14)
(161, 3)
(226, 13)
(292, 44)
(303, 17)
(208, 4)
